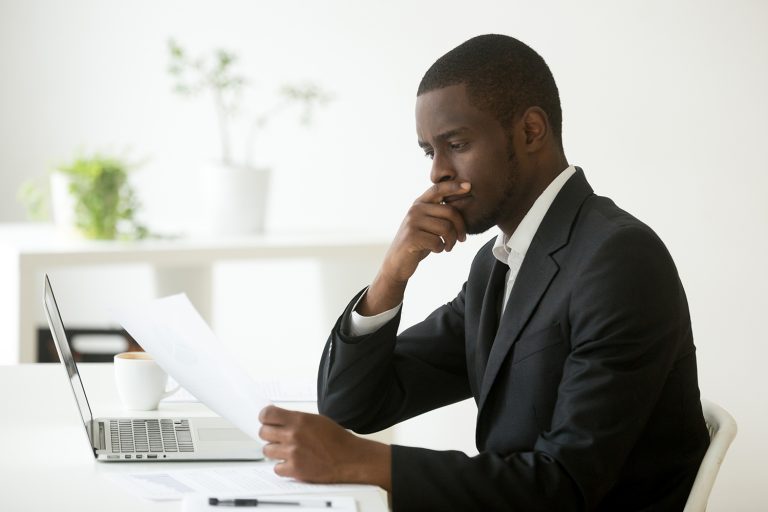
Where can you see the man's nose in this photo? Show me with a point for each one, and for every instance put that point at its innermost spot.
(442, 170)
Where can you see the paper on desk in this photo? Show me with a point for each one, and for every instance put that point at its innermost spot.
(177, 337)
(199, 503)
(253, 479)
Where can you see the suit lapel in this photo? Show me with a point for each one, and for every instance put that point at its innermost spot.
(534, 278)
(532, 281)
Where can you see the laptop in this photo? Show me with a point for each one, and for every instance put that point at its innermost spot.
(137, 439)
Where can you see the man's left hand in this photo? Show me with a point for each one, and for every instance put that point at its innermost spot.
(313, 448)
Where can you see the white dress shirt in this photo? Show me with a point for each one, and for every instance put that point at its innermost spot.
(509, 250)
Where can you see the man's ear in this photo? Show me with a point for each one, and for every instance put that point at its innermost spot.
(535, 124)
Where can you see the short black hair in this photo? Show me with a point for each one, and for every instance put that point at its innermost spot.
(503, 77)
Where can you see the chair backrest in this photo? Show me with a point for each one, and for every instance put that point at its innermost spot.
(722, 430)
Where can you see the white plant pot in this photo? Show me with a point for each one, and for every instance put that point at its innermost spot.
(63, 204)
(233, 199)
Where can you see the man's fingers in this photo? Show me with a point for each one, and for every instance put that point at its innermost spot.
(443, 231)
(439, 191)
(274, 434)
(440, 220)
(423, 230)
(457, 221)
(276, 451)
(285, 469)
(287, 465)
(273, 415)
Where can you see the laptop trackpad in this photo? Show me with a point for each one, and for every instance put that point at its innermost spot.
(221, 435)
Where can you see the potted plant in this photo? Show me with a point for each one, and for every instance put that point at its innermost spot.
(234, 190)
(90, 196)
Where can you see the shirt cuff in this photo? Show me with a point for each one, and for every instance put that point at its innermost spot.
(359, 325)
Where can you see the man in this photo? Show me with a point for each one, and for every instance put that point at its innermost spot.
(572, 331)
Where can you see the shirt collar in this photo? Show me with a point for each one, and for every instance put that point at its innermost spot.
(506, 248)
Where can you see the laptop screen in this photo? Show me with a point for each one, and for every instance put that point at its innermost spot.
(62, 347)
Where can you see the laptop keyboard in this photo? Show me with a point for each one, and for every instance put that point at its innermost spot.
(150, 436)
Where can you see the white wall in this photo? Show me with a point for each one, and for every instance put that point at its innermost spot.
(664, 107)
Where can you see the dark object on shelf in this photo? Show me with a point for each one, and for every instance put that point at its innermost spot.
(87, 345)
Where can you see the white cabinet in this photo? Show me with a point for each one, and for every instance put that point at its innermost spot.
(27, 251)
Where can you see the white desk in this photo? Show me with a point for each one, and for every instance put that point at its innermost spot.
(28, 250)
(45, 461)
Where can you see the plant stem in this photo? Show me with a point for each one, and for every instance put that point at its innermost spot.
(221, 114)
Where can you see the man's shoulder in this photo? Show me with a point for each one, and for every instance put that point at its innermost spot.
(604, 232)
(578, 214)
(601, 218)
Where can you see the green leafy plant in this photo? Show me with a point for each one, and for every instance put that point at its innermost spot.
(217, 74)
(105, 203)
(31, 195)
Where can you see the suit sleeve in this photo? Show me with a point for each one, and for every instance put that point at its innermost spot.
(368, 383)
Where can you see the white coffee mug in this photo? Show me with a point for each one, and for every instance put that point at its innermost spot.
(140, 381)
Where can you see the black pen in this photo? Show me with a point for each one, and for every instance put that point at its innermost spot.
(254, 502)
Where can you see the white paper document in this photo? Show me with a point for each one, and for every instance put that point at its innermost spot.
(282, 390)
(200, 503)
(251, 479)
(177, 337)
(289, 390)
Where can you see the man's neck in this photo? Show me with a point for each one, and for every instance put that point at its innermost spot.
(545, 176)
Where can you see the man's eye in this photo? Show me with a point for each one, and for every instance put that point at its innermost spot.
(429, 154)
(457, 146)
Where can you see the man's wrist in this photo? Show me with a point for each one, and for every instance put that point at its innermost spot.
(373, 465)
(356, 325)
(383, 294)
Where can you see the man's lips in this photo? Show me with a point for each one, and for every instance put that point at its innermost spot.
(456, 198)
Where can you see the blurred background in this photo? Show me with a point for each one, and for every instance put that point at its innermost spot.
(663, 105)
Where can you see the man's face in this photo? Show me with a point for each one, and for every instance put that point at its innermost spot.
(467, 144)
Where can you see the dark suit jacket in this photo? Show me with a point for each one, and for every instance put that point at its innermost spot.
(586, 388)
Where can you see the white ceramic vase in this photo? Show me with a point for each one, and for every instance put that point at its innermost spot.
(233, 199)
(63, 205)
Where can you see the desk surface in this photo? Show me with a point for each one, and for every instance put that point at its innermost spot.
(45, 462)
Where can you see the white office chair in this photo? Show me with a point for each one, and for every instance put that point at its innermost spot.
(722, 430)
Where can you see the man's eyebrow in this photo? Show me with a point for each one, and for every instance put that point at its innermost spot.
(444, 136)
